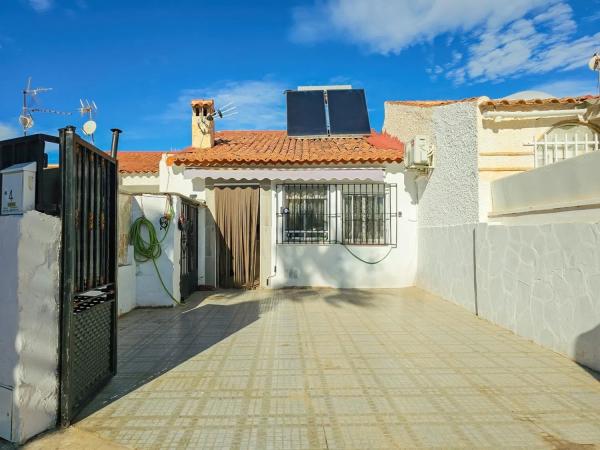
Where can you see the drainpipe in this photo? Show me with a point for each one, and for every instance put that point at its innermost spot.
(115, 142)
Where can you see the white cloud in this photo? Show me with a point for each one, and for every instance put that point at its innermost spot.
(538, 43)
(8, 131)
(567, 88)
(40, 5)
(500, 38)
(260, 104)
(389, 26)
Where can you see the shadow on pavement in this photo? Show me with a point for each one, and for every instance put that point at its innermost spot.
(153, 341)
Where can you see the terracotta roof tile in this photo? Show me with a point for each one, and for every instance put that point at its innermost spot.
(497, 102)
(139, 162)
(538, 101)
(275, 147)
(431, 103)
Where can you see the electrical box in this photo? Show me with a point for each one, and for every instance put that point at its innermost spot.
(18, 188)
(419, 153)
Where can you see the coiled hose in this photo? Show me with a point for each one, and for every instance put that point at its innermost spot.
(149, 250)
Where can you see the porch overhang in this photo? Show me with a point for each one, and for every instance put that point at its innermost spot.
(303, 175)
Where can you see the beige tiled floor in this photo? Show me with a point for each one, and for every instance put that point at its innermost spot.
(337, 369)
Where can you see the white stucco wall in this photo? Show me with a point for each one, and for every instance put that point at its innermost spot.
(172, 180)
(29, 322)
(406, 121)
(445, 265)
(450, 195)
(448, 206)
(127, 285)
(288, 259)
(149, 291)
(334, 265)
(543, 283)
(146, 182)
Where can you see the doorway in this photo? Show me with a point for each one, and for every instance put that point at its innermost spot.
(238, 236)
(188, 224)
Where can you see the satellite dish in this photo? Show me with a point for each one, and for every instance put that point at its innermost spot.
(26, 121)
(89, 127)
(594, 63)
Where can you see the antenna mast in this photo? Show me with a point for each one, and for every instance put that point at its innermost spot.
(26, 117)
(594, 65)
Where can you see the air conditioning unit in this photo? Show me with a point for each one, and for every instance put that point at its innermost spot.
(419, 153)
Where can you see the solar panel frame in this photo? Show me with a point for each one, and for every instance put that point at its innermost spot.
(306, 113)
(348, 114)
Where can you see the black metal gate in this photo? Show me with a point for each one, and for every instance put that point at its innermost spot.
(88, 272)
(188, 224)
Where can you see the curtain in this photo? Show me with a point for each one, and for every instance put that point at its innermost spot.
(237, 213)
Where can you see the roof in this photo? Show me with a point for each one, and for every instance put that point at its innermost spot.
(139, 161)
(431, 103)
(498, 102)
(275, 147)
(539, 101)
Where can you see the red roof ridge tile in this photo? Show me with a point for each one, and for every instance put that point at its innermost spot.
(485, 101)
(431, 103)
(539, 101)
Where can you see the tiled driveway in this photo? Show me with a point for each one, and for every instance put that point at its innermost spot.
(338, 369)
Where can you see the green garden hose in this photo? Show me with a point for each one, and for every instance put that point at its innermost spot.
(150, 250)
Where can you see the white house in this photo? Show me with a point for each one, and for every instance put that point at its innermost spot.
(289, 211)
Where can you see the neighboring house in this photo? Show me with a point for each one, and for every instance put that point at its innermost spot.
(479, 140)
(139, 171)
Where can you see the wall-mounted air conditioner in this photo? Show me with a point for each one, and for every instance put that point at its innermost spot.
(419, 153)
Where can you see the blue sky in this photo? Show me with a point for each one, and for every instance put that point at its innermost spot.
(142, 61)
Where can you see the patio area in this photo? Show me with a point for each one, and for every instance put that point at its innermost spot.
(319, 368)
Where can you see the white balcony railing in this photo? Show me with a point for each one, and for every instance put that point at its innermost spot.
(549, 150)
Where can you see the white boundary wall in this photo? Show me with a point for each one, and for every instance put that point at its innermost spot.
(446, 265)
(543, 283)
(29, 322)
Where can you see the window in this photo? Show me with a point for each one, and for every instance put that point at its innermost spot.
(306, 213)
(364, 214)
(352, 214)
(565, 141)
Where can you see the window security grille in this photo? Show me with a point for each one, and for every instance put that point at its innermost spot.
(565, 142)
(352, 214)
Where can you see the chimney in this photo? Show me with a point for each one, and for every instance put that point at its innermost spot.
(203, 123)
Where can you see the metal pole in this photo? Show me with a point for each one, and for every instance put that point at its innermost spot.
(67, 283)
(115, 142)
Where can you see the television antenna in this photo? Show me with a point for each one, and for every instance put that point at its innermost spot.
(88, 108)
(203, 122)
(594, 65)
(30, 96)
(226, 111)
